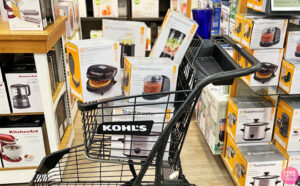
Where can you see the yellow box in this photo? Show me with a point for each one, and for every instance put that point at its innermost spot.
(250, 3)
(289, 76)
(238, 27)
(230, 154)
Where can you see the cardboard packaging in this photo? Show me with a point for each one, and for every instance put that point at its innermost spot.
(292, 44)
(269, 74)
(230, 154)
(24, 92)
(289, 76)
(259, 164)
(225, 16)
(250, 4)
(149, 75)
(287, 128)
(107, 8)
(262, 33)
(237, 6)
(259, 5)
(29, 15)
(175, 37)
(295, 21)
(66, 9)
(231, 27)
(5, 108)
(96, 34)
(238, 27)
(75, 12)
(250, 119)
(61, 116)
(94, 69)
(180, 6)
(3, 12)
(216, 6)
(145, 8)
(131, 36)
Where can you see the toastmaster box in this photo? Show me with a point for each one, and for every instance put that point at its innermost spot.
(292, 44)
(289, 76)
(94, 68)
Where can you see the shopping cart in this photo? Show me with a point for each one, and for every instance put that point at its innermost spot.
(133, 143)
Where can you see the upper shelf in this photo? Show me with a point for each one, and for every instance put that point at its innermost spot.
(31, 41)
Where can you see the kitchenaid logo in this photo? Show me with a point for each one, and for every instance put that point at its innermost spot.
(28, 76)
(264, 165)
(136, 113)
(141, 128)
(23, 131)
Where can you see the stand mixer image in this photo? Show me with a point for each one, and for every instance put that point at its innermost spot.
(9, 151)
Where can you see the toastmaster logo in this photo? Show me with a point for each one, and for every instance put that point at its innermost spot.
(139, 128)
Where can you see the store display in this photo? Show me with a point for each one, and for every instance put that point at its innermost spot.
(90, 78)
(289, 77)
(67, 10)
(145, 8)
(174, 38)
(107, 8)
(287, 126)
(292, 45)
(225, 18)
(204, 19)
(149, 75)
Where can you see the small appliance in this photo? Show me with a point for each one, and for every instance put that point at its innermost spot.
(283, 124)
(101, 78)
(127, 49)
(20, 95)
(255, 130)
(155, 84)
(9, 150)
(266, 180)
(297, 53)
(266, 72)
(270, 36)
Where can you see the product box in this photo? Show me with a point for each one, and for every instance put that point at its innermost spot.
(231, 27)
(237, 6)
(66, 9)
(250, 119)
(3, 12)
(149, 75)
(250, 3)
(292, 44)
(287, 128)
(230, 154)
(28, 14)
(24, 92)
(131, 36)
(106, 8)
(180, 6)
(96, 34)
(75, 12)
(259, 5)
(269, 74)
(225, 16)
(61, 116)
(295, 21)
(216, 6)
(259, 165)
(145, 8)
(238, 27)
(175, 37)
(5, 108)
(262, 33)
(94, 69)
(289, 76)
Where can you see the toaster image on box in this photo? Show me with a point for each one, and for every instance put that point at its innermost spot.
(75, 79)
(297, 52)
(155, 84)
(266, 72)
(270, 37)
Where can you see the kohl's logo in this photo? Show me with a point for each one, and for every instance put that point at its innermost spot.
(140, 128)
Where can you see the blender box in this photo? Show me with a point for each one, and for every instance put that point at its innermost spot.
(66, 9)
(24, 92)
(287, 126)
(250, 119)
(289, 76)
(145, 8)
(5, 108)
(106, 8)
(238, 27)
(94, 69)
(174, 37)
(29, 15)
(259, 165)
(145, 75)
(130, 34)
(260, 33)
(225, 16)
(269, 74)
(75, 15)
(292, 44)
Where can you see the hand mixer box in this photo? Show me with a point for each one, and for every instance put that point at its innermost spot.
(289, 76)
(94, 69)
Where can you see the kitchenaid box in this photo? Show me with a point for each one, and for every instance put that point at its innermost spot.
(259, 165)
(287, 125)
(5, 108)
(264, 33)
(66, 9)
(269, 74)
(106, 8)
(250, 119)
(130, 34)
(175, 36)
(145, 8)
(94, 69)
(292, 45)
(290, 76)
(24, 92)
(145, 75)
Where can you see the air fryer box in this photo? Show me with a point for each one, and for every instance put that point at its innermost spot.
(269, 74)
(289, 76)
(28, 99)
(250, 119)
(29, 15)
(94, 69)
(66, 9)
(144, 75)
(292, 45)
(145, 8)
(238, 27)
(262, 33)
(107, 8)
(5, 108)
(287, 126)
(259, 164)
(175, 37)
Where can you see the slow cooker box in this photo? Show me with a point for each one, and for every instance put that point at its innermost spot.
(289, 76)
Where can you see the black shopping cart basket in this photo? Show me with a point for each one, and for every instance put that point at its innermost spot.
(127, 142)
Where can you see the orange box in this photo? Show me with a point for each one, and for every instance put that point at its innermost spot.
(289, 76)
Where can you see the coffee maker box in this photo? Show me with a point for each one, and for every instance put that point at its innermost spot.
(175, 37)
(250, 119)
(292, 44)
(24, 92)
(94, 69)
(289, 76)
(66, 9)
(145, 8)
(145, 75)
(269, 74)
(287, 126)
(107, 8)
(5, 108)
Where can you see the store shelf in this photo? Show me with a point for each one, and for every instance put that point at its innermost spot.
(61, 88)
(67, 139)
(17, 168)
(16, 176)
(147, 19)
(23, 114)
(31, 41)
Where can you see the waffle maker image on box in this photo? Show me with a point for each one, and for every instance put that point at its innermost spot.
(155, 84)
(75, 79)
(270, 36)
(101, 78)
(266, 72)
